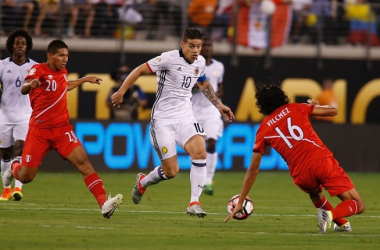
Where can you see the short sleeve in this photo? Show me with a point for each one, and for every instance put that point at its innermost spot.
(307, 108)
(259, 142)
(161, 62)
(221, 76)
(35, 72)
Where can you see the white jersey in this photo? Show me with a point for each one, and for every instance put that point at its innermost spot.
(14, 108)
(202, 107)
(176, 78)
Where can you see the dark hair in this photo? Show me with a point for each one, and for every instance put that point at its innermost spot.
(207, 38)
(12, 37)
(270, 97)
(55, 45)
(191, 33)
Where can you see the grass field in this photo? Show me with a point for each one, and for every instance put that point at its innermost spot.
(58, 212)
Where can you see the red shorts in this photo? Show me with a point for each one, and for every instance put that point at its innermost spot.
(325, 173)
(39, 141)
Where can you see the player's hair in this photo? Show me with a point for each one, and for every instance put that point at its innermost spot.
(207, 38)
(270, 97)
(55, 45)
(12, 37)
(191, 33)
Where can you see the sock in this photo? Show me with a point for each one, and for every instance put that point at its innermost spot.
(5, 164)
(197, 178)
(325, 204)
(212, 159)
(16, 167)
(154, 177)
(345, 209)
(95, 185)
(18, 184)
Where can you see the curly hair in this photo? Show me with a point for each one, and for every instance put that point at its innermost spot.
(191, 33)
(270, 97)
(12, 37)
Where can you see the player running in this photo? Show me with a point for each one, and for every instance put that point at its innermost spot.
(49, 126)
(15, 108)
(206, 113)
(312, 166)
(172, 118)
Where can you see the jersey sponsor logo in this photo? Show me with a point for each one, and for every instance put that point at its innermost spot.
(50, 77)
(28, 158)
(196, 71)
(9, 71)
(179, 69)
(32, 72)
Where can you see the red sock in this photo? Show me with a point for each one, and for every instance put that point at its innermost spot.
(16, 167)
(325, 204)
(95, 185)
(345, 209)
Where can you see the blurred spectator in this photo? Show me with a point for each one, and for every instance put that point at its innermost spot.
(106, 17)
(85, 13)
(281, 22)
(222, 19)
(301, 10)
(327, 97)
(201, 13)
(362, 20)
(132, 100)
(8, 12)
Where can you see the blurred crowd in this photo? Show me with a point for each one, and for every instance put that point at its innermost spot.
(293, 21)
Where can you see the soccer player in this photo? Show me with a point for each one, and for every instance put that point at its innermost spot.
(49, 126)
(206, 113)
(172, 119)
(15, 108)
(288, 130)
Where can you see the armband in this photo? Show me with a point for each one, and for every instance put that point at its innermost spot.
(202, 78)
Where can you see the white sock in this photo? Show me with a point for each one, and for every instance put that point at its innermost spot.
(5, 164)
(154, 177)
(197, 178)
(18, 184)
(211, 161)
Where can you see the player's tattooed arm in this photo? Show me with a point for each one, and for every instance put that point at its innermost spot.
(209, 92)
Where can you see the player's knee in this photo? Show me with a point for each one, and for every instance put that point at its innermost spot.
(361, 208)
(26, 178)
(171, 173)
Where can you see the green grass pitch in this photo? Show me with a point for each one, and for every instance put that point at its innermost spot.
(58, 212)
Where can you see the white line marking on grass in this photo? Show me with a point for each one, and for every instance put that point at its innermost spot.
(80, 227)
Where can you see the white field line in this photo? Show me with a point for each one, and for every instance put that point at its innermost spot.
(163, 212)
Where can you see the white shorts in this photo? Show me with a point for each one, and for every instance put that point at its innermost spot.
(164, 134)
(213, 127)
(9, 133)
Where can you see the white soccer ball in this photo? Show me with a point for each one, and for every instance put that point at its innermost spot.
(268, 7)
(247, 207)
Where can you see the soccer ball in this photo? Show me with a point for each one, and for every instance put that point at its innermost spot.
(247, 207)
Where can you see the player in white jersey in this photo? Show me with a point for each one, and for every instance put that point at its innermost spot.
(172, 119)
(15, 108)
(206, 113)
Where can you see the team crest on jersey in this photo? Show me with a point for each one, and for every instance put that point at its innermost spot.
(196, 71)
(65, 76)
(28, 158)
(32, 72)
(157, 59)
(50, 77)
(164, 150)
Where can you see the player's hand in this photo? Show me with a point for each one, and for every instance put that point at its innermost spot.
(94, 79)
(312, 102)
(227, 113)
(237, 209)
(34, 83)
(116, 99)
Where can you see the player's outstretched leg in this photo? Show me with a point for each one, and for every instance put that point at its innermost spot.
(138, 190)
(195, 209)
(111, 204)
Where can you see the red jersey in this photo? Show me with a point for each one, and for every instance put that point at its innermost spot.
(48, 101)
(289, 132)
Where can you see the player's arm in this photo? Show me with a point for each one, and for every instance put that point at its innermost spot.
(249, 180)
(28, 85)
(117, 97)
(72, 84)
(210, 94)
(322, 110)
